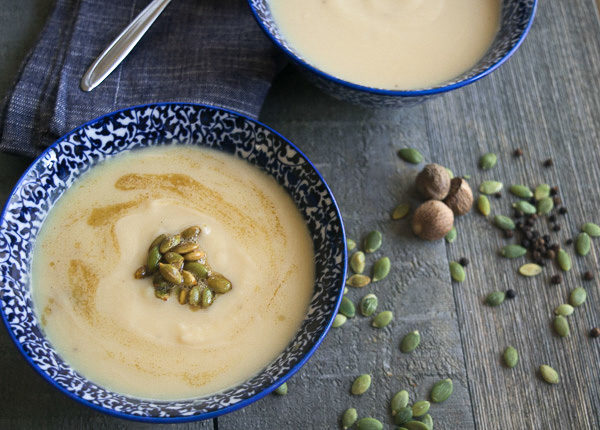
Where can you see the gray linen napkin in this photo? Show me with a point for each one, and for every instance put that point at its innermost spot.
(205, 51)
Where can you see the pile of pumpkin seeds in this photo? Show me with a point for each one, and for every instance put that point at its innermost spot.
(177, 265)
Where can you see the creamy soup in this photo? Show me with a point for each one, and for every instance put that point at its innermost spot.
(112, 329)
(390, 44)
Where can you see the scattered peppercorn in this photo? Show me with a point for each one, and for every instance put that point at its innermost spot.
(511, 294)
(562, 210)
(464, 262)
(498, 195)
(557, 201)
(588, 276)
(509, 234)
(517, 214)
(556, 227)
(548, 162)
(554, 247)
(551, 255)
(532, 200)
(569, 241)
(556, 279)
(552, 218)
(518, 152)
(595, 332)
(554, 190)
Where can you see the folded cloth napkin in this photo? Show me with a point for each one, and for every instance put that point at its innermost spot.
(204, 51)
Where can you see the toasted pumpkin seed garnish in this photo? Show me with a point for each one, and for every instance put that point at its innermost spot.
(153, 259)
(199, 256)
(199, 270)
(170, 273)
(219, 283)
(157, 241)
(184, 248)
(183, 296)
(191, 232)
(169, 242)
(189, 280)
(207, 297)
(141, 272)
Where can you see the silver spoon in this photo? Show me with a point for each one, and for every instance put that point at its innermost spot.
(116, 52)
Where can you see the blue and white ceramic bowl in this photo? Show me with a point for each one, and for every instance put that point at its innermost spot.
(517, 17)
(60, 165)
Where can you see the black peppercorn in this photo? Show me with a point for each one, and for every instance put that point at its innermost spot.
(554, 247)
(554, 190)
(595, 332)
(517, 214)
(548, 162)
(557, 201)
(498, 195)
(562, 210)
(556, 279)
(518, 152)
(569, 242)
(588, 276)
(509, 234)
(464, 262)
(552, 218)
(519, 225)
(525, 243)
(556, 227)
(511, 294)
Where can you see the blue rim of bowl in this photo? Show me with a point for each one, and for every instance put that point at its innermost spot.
(236, 406)
(402, 93)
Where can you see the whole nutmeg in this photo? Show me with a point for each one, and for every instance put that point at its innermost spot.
(432, 220)
(433, 182)
(460, 197)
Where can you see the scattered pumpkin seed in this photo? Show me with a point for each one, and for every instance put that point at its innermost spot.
(561, 326)
(513, 251)
(218, 283)
(169, 242)
(583, 244)
(401, 211)
(428, 421)
(451, 236)
(399, 401)
(361, 384)
(410, 342)
(504, 222)
(483, 204)
(191, 232)
(382, 319)
(157, 241)
(368, 305)
(153, 259)
(183, 296)
(170, 273)
(410, 155)
(373, 241)
(457, 271)
(487, 161)
(339, 321)
(347, 308)
(521, 191)
(199, 270)
(563, 260)
(141, 272)
(545, 205)
(530, 269)
(415, 425)
(358, 281)
(490, 187)
(282, 390)
(591, 229)
(495, 298)
(381, 268)
(420, 408)
(349, 417)
(442, 390)
(207, 298)
(541, 192)
(189, 280)
(199, 256)
(577, 297)
(357, 262)
(195, 296)
(525, 207)
(403, 415)
(549, 374)
(350, 244)
(565, 310)
(510, 357)
(369, 423)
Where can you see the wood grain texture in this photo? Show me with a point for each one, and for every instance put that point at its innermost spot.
(545, 100)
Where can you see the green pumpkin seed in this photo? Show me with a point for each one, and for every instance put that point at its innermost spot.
(219, 283)
(457, 271)
(415, 425)
(399, 401)
(410, 342)
(194, 296)
(183, 296)
(549, 374)
(358, 281)
(428, 421)
(495, 298)
(565, 310)
(521, 191)
(487, 161)
(563, 260)
(199, 256)
(207, 298)
(420, 408)
(161, 293)
(349, 417)
(530, 269)
(373, 241)
(545, 206)
(525, 207)
(510, 357)
(403, 415)
(583, 244)
(157, 241)
(382, 319)
(451, 236)
(513, 251)
(339, 321)
(401, 211)
(168, 243)
(504, 222)
(282, 390)
(577, 297)
(490, 187)
(369, 424)
(483, 204)
(347, 308)
(184, 248)
(381, 268)
(170, 273)
(189, 280)
(542, 191)
(350, 244)
(442, 390)
(368, 305)
(191, 232)
(153, 259)
(357, 262)
(141, 272)
(561, 326)
(199, 270)
(591, 229)
(410, 155)
(345, 290)
(172, 257)
(361, 384)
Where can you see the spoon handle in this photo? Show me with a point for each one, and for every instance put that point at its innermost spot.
(119, 48)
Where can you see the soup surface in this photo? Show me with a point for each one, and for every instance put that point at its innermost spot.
(390, 44)
(112, 329)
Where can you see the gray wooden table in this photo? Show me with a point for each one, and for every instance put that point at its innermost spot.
(546, 100)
